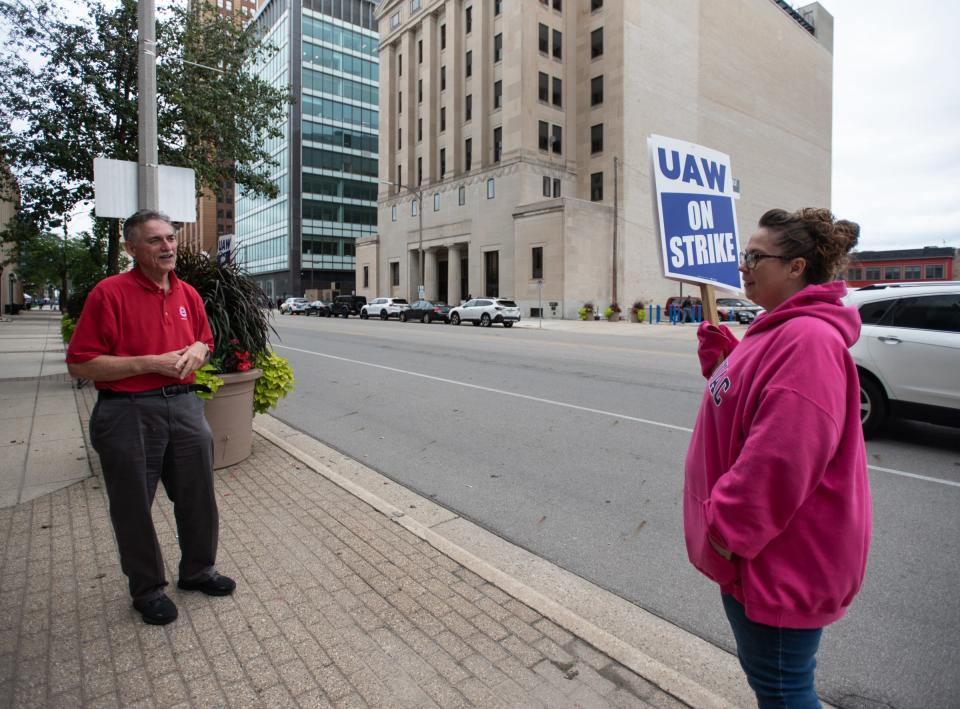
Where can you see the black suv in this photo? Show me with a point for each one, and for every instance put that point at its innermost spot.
(346, 305)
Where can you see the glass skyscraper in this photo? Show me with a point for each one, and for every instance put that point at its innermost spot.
(325, 52)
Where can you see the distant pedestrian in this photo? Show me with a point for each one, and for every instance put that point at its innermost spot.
(687, 309)
(141, 336)
(777, 506)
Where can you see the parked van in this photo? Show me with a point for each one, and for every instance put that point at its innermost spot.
(347, 305)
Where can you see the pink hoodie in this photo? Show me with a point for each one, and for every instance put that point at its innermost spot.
(776, 471)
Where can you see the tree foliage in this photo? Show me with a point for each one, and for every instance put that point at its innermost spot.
(69, 95)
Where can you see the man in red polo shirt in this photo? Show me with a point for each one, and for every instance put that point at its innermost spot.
(140, 338)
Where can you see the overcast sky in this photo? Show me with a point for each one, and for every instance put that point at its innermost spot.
(896, 121)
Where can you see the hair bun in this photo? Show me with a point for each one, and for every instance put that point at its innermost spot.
(847, 233)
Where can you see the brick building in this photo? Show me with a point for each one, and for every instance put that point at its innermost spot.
(931, 263)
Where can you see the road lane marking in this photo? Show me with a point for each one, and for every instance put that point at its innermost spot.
(575, 407)
(951, 483)
(492, 390)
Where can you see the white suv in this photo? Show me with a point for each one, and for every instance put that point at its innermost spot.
(294, 306)
(485, 312)
(908, 354)
(384, 308)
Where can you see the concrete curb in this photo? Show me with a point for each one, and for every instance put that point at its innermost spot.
(666, 678)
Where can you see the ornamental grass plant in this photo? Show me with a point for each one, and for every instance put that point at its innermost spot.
(241, 331)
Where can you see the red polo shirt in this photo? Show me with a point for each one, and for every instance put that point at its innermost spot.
(127, 315)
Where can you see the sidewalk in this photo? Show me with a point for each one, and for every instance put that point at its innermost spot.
(351, 591)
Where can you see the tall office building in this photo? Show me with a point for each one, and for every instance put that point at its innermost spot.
(215, 207)
(326, 52)
(515, 122)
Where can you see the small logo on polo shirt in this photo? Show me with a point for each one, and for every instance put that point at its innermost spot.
(183, 313)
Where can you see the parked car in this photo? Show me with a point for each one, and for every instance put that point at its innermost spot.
(346, 305)
(908, 354)
(384, 308)
(743, 310)
(319, 308)
(485, 312)
(294, 306)
(426, 311)
(678, 301)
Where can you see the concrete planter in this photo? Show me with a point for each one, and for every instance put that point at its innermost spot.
(230, 415)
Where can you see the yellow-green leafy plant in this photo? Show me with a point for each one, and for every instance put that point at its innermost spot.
(276, 382)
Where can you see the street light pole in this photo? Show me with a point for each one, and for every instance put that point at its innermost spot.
(148, 192)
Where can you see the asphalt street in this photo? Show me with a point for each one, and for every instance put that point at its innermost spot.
(571, 445)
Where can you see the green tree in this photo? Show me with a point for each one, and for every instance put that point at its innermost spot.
(69, 95)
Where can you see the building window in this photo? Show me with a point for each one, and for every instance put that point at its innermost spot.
(537, 259)
(468, 107)
(419, 129)
(419, 171)
(467, 153)
(891, 273)
(934, 271)
(399, 65)
(854, 274)
(497, 48)
(400, 102)
(413, 208)
(393, 213)
(596, 43)
(443, 78)
(366, 276)
(399, 177)
(596, 90)
(872, 273)
(443, 118)
(595, 5)
(436, 201)
(557, 45)
(469, 64)
(558, 140)
(419, 51)
(419, 90)
(443, 36)
(461, 195)
(395, 273)
(399, 135)
(394, 20)
(468, 20)
(497, 94)
(546, 186)
(544, 135)
(596, 138)
(414, 6)
(490, 190)
(543, 86)
(557, 92)
(596, 187)
(911, 273)
(556, 186)
(544, 38)
(497, 143)
(497, 7)
(558, 5)
(443, 162)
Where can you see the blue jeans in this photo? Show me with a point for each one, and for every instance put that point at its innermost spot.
(778, 662)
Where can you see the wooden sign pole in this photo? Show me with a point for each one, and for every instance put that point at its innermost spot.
(708, 297)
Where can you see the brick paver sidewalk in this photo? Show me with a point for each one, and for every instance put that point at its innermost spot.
(336, 605)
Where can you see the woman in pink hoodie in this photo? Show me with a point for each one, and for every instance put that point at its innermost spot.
(776, 498)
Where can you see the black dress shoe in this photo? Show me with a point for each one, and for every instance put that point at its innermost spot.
(157, 611)
(213, 585)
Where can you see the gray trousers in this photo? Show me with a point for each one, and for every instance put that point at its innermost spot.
(144, 440)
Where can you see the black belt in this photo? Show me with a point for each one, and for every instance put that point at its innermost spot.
(165, 391)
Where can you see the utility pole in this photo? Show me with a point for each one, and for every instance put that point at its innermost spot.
(616, 191)
(421, 292)
(148, 193)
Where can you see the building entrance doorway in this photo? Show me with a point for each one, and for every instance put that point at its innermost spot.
(442, 280)
(491, 274)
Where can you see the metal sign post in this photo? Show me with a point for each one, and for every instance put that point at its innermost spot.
(540, 301)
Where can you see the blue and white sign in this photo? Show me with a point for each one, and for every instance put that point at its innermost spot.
(698, 223)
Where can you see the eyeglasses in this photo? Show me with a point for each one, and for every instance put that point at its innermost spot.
(751, 259)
